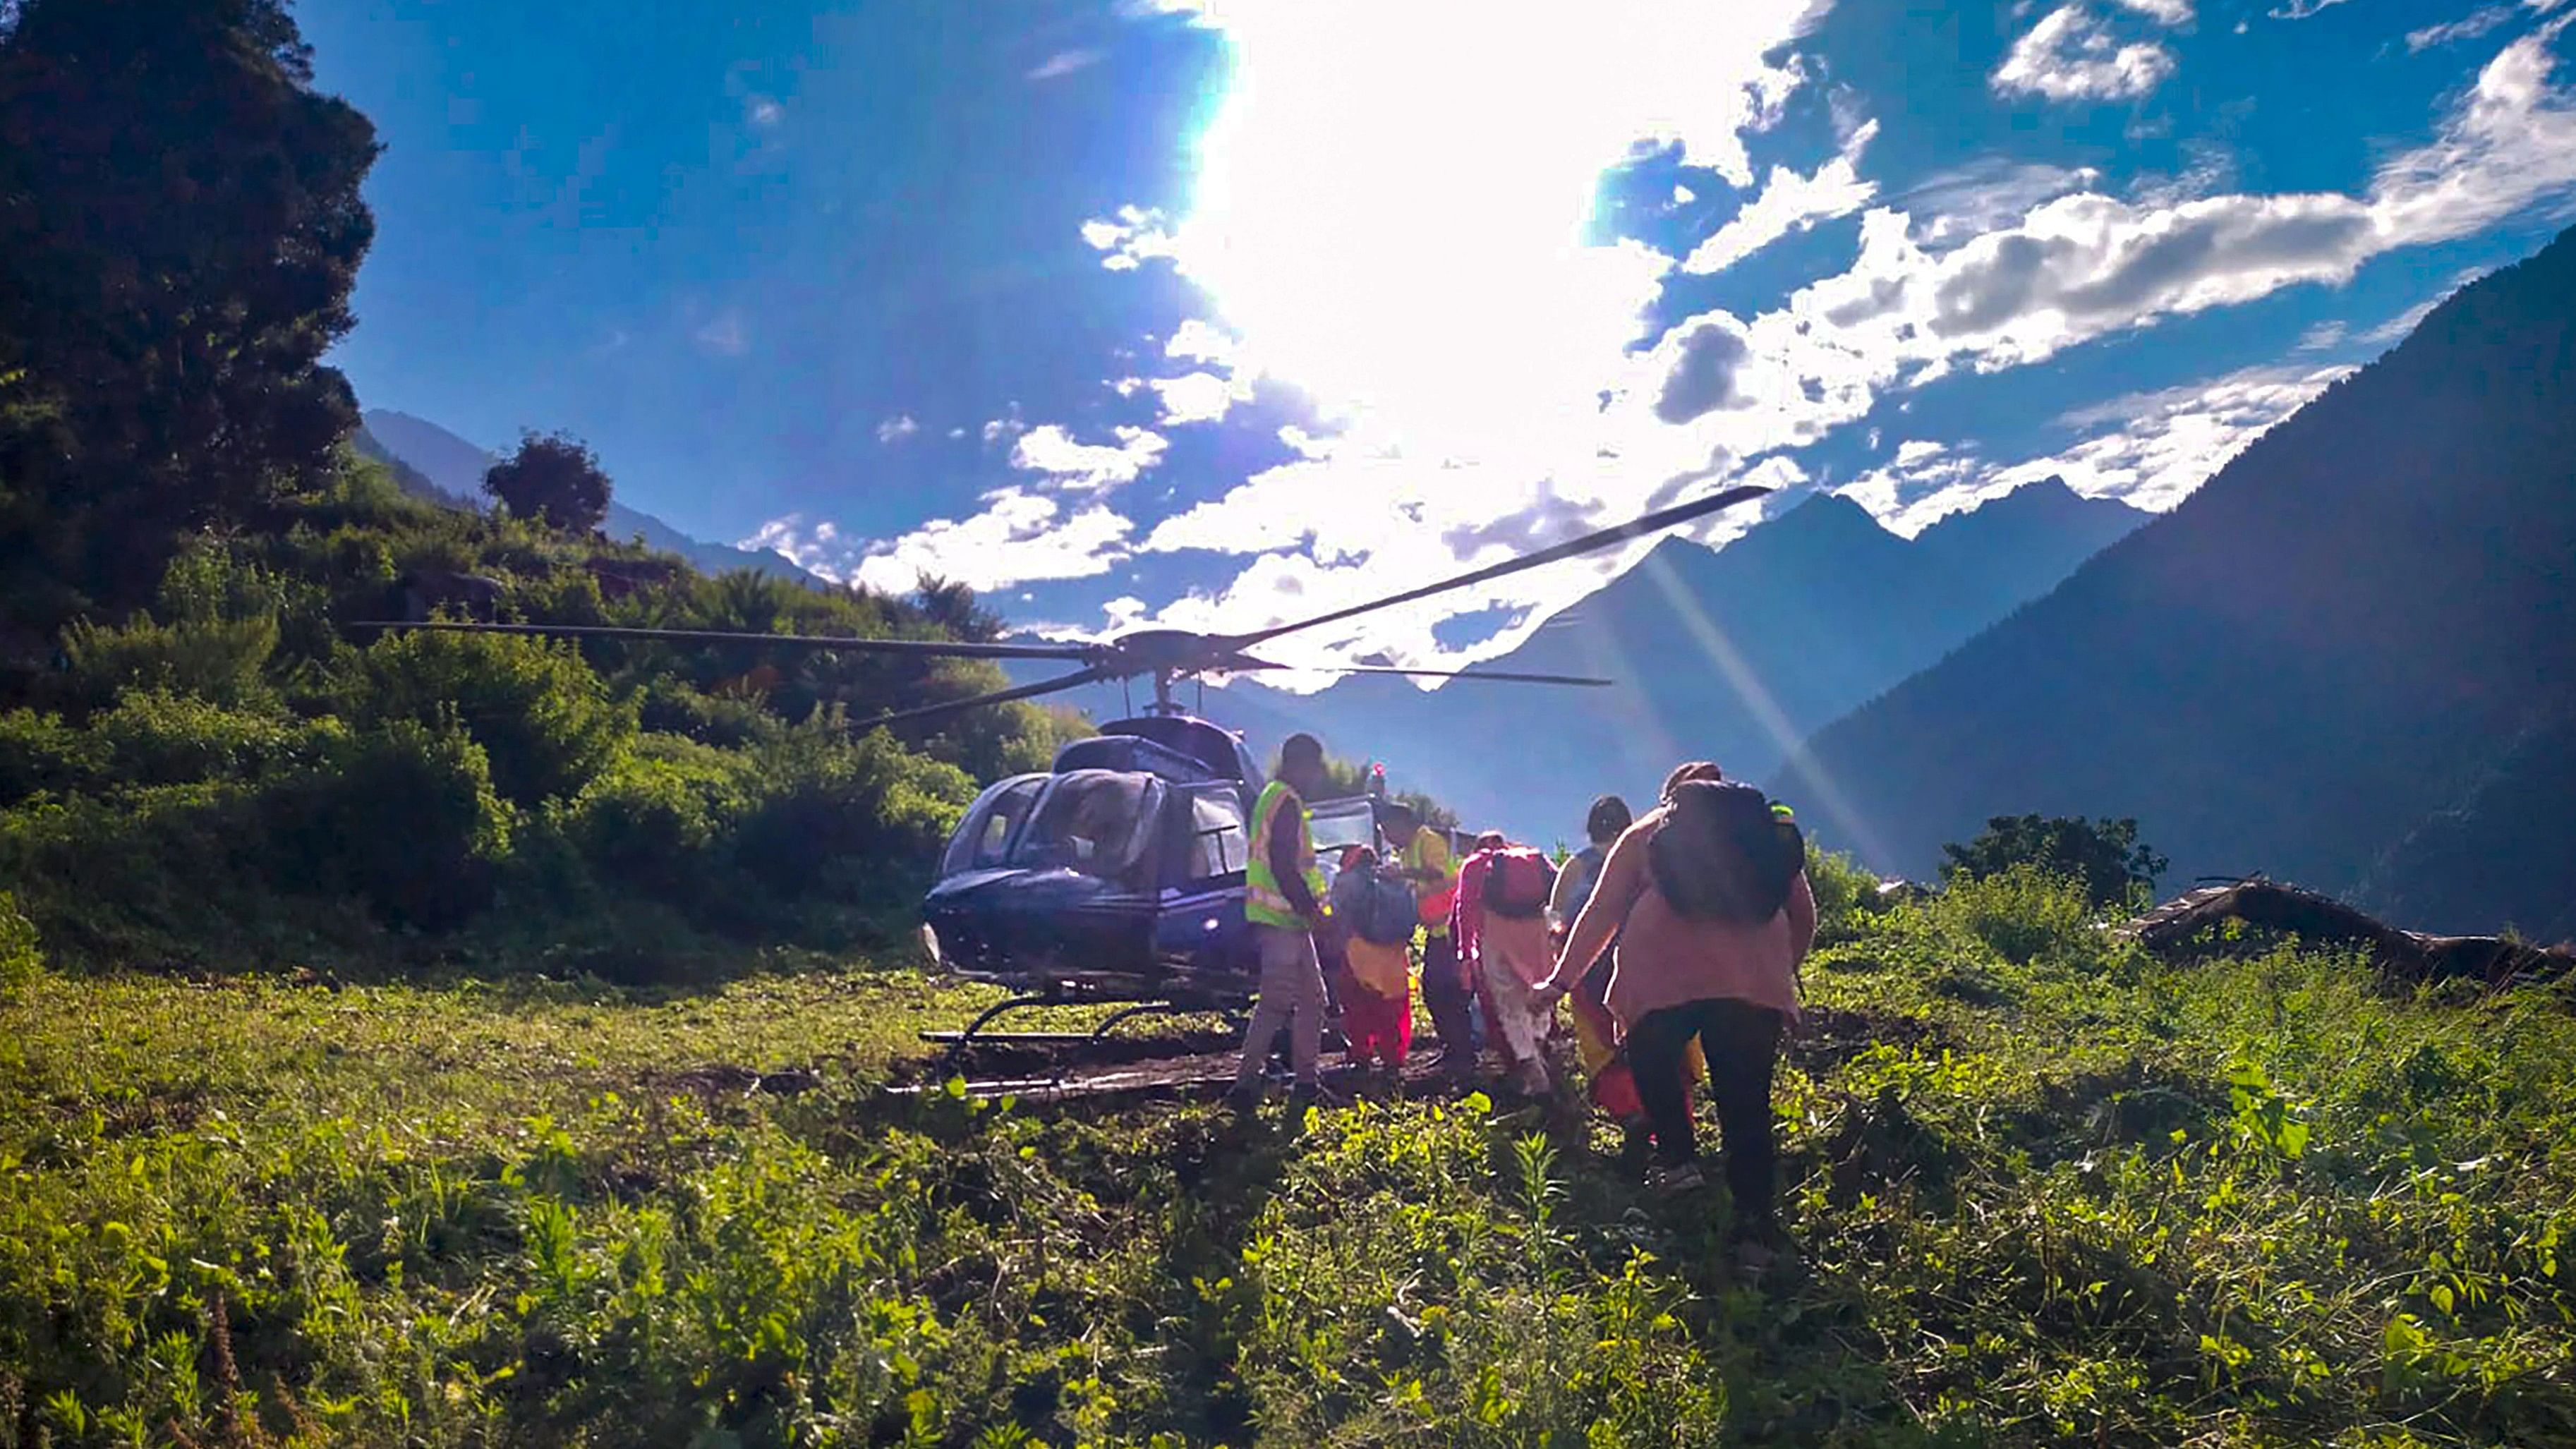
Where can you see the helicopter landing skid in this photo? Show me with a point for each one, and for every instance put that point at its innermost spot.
(974, 1034)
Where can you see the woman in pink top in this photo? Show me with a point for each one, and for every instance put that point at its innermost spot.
(1509, 952)
(1730, 986)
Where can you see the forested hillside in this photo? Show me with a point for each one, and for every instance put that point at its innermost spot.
(202, 763)
(2360, 629)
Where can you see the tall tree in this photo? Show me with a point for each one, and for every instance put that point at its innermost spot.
(180, 225)
(552, 476)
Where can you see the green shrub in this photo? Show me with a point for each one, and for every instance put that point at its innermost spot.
(2105, 857)
(654, 819)
(2024, 912)
(223, 660)
(42, 752)
(824, 802)
(403, 817)
(157, 738)
(1844, 891)
(20, 959)
(538, 711)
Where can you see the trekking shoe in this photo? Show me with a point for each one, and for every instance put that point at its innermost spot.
(1679, 1178)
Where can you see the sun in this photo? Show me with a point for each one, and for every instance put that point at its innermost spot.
(1392, 203)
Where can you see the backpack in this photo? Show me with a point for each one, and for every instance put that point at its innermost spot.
(1517, 883)
(1725, 852)
(1585, 867)
(1380, 906)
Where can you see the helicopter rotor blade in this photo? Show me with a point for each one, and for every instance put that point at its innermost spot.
(926, 648)
(1075, 680)
(1654, 522)
(1497, 676)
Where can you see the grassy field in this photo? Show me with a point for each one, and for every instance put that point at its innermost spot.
(2048, 1192)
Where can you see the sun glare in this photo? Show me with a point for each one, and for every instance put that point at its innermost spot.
(1392, 200)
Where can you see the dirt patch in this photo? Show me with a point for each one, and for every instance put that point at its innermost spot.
(1829, 1036)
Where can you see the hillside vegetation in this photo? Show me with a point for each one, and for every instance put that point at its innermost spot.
(2050, 1192)
(202, 765)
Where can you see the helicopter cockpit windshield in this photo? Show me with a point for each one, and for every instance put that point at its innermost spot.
(1100, 822)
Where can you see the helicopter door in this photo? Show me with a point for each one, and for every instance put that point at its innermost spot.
(1218, 846)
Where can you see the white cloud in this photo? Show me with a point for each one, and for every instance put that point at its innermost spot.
(2170, 12)
(2072, 55)
(1967, 201)
(724, 334)
(762, 111)
(1789, 202)
(2149, 450)
(1019, 537)
(1064, 63)
(1005, 427)
(1200, 342)
(2302, 9)
(2083, 265)
(1524, 412)
(897, 428)
(1087, 467)
(1196, 397)
(1134, 236)
(2468, 27)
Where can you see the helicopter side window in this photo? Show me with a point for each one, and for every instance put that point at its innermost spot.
(983, 840)
(1219, 845)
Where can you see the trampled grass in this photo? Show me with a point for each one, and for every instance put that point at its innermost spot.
(2047, 1191)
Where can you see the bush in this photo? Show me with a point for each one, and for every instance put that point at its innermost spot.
(157, 738)
(404, 818)
(2105, 857)
(1844, 892)
(653, 821)
(20, 959)
(41, 752)
(824, 802)
(540, 714)
(222, 660)
(2023, 912)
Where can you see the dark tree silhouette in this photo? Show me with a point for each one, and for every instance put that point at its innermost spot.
(2103, 856)
(554, 477)
(180, 224)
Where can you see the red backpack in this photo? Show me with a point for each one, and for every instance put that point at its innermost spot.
(1517, 882)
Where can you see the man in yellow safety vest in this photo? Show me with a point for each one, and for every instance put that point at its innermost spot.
(1284, 901)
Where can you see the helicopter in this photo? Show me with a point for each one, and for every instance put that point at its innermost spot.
(1116, 876)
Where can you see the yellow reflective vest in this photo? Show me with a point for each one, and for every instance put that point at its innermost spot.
(1265, 904)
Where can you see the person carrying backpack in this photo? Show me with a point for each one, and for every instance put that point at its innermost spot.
(1611, 1081)
(1432, 868)
(1708, 896)
(1501, 930)
(1376, 911)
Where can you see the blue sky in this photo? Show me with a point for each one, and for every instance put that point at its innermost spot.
(1215, 314)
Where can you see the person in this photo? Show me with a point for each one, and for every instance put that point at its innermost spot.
(1612, 1082)
(1427, 861)
(1603, 824)
(1284, 902)
(1377, 985)
(1729, 985)
(1500, 926)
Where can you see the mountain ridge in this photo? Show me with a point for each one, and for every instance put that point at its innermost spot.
(434, 463)
(1847, 608)
(2328, 645)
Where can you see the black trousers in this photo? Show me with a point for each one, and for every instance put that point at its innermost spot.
(1741, 1041)
(1450, 1000)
